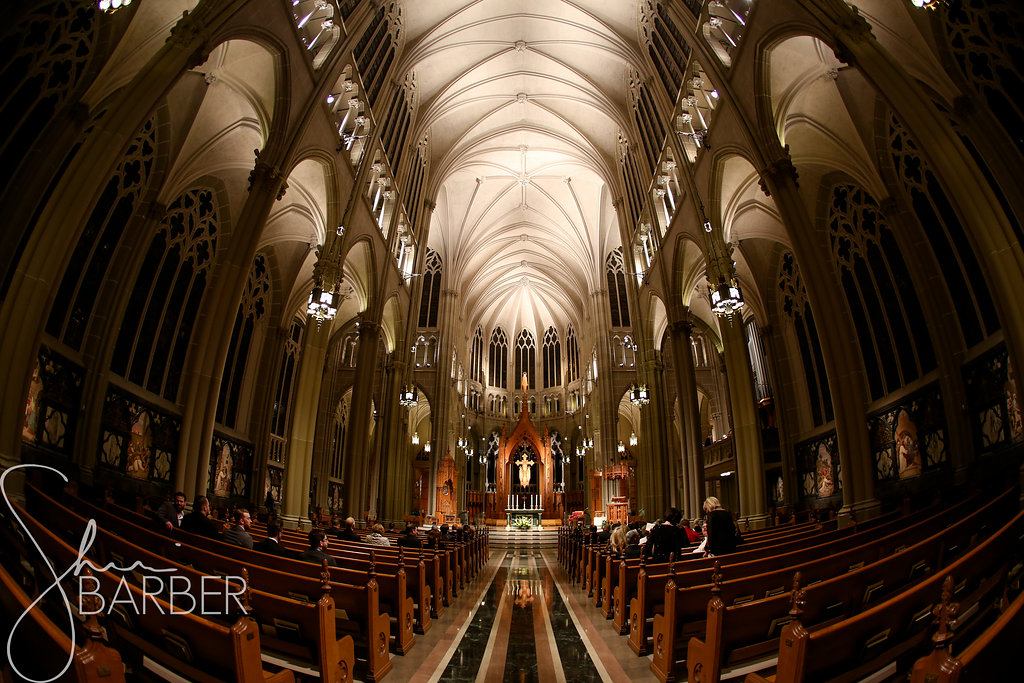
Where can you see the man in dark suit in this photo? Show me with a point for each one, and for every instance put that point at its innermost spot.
(272, 544)
(317, 551)
(238, 534)
(198, 521)
(348, 533)
(409, 539)
(172, 511)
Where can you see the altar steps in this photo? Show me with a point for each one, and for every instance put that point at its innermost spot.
(528, 539)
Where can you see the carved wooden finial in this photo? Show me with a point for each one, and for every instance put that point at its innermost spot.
(796, 600)
(945, 610)
(325, 577)
(92, 604)
(716, 578)
(246, 603)
(672, 566)
(401, 554)
(373, 564)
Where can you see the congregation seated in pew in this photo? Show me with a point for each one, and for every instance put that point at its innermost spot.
(317, 550)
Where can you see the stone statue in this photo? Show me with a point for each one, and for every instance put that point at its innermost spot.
(524, 470)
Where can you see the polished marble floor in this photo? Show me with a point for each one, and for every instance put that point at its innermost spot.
(520, 620)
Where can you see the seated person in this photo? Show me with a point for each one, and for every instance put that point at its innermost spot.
(632, 550)
(317, 551)
(377, 537)
(172, 511)
(238, 533)
(666, 538)
(691, 535)
(408, 539)
(198, 521)
(272, 543)
(348, 532)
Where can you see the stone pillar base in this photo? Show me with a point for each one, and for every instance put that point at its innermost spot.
(862, 510)
(295, 523)
(752, 522)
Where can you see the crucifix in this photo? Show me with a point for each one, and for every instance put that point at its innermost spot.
(524, 469)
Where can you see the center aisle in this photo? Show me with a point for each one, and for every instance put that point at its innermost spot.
(521, 621)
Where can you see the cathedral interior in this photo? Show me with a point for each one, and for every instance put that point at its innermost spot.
(457, 260)
(335, 250)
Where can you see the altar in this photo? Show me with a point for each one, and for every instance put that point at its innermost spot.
(512, 514)
(524, 475)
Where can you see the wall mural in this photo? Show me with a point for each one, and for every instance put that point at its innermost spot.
(230, 468)
(137, 440)
(909, 437)
(993, 402)
(819, 468)
(51, 405)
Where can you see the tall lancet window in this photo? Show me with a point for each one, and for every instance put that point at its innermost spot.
(617, 289)
(526, 358)
(572, 355)
(430, 297)
(552, 359)
(497, 359)
(476, 357)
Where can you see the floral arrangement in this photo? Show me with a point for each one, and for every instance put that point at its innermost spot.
(522, 523)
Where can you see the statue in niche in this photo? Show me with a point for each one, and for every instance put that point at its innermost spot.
(139, 452)
(826, 482)
(225, 466)
(908, 454)
(29, 428)
(524, 469)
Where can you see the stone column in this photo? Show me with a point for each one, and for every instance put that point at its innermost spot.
(357, 451)
(749, 454)
(303, 427)
(393, 474)
(655, 447)
(692, 444)
(838, 339)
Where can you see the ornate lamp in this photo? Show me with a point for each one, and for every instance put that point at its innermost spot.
(407, 397)
(639, 396)
(632, 438)
(415, 438)
(110, 6)
(621, 448)
(723, 287)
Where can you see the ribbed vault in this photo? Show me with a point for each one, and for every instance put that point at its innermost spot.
(522, 103)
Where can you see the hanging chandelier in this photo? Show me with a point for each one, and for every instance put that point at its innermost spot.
(723, 287)
(727, 298)
(322, 305)
(639, 396)
(110, 6)
(580, 451)
(621, 448)
(924, 4)
(407, 396)
(415, 438)
(632, 438)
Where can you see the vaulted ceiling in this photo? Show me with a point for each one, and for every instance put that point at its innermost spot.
(523, 101)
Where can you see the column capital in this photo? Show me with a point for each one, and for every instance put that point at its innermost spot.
(681, 328)
(368, 327)
(266, 177)
(778, 170)
(850, 29)
(190, 32)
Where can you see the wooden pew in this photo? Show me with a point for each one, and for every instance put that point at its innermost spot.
(984, 659)
(928, 543)
(882, 636)
(290, 597)
(44, 647)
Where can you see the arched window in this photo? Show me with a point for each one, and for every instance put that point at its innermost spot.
(339, 429)
(552, 359)
(617, 289)
(526, 358)
(286, 381)
(254, 304)
(887, 316)
(965, 279)
(164, 303)
(793, 300)
(497, 359)
(572, 355)
(80, 287)
(476, 356)
(430, 297)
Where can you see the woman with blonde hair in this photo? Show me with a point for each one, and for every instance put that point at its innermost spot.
(617, 541)
(721, 531)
